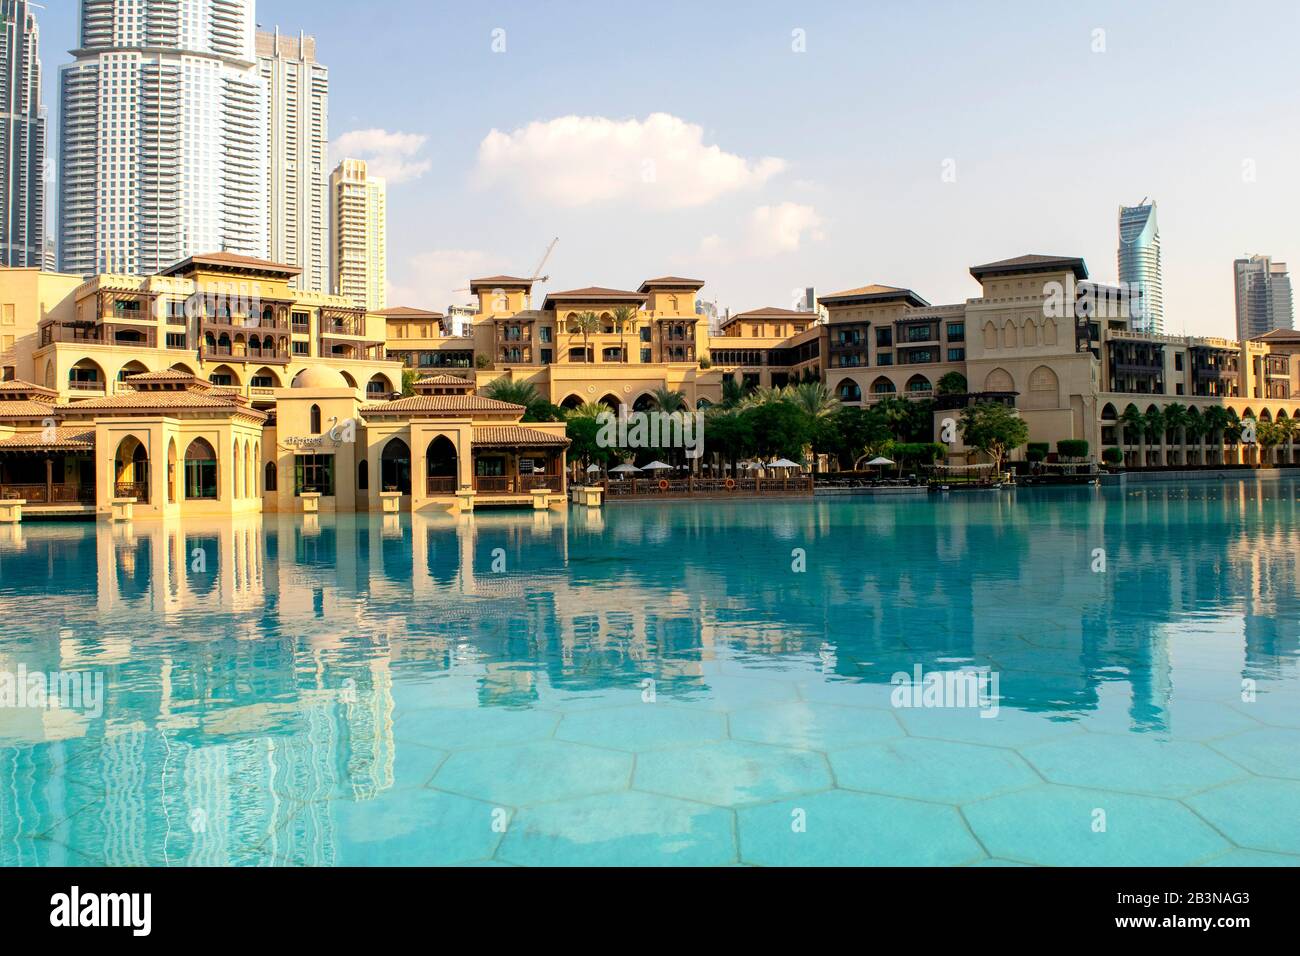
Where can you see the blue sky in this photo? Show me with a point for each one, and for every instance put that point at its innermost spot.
(771, 169)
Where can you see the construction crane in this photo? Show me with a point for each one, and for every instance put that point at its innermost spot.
(537, 273)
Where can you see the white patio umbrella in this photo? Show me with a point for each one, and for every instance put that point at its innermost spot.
(880, 462)
(624, 469)
(784, 463)
(657, 466)
(592, 467)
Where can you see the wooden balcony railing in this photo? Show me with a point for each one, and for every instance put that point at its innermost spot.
(43, 494)
(436, 485)
(139, 490)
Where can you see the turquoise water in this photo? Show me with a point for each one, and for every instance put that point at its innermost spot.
(702, 683)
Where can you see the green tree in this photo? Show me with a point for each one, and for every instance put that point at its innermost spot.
(780, 429)
(536, 408)
(729, 435)
(585, 324)
(733, 393)
(624, 319)
(952, 383)
(409, 375)
(664, 399)
(1217, 421)
(994, 429)
(1268, 436)
(1134, 425)
(1176, 420)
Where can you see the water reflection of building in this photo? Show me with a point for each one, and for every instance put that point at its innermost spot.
(261, 683)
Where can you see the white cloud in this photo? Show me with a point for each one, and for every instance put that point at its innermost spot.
(768, 231)
(661, 161)
(429, 280)
(781, 228)
(393, 156)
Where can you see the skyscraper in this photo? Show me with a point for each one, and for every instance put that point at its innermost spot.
(1139, 264)
(22, 143)
(1263, 296)
(358, 227)
(163, 143)
(296, 90)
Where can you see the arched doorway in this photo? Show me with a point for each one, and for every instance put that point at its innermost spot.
(131, 470)
(201, 470)
(395, 467)
(378, 388)
(440, 468)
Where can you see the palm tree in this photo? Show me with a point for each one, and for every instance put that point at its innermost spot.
(1176, 420)
(587, 324)
(763, 395)
(1134, 424)
(1196, 431)
(816, 401)
(813, 398)
(589, 410)
(1217, 419)
(733, 393)
(1155, 427)
(1287, 428)
(624, 318)
(508, 390)
(664, 399)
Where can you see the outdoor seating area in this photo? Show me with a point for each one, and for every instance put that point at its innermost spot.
(661, 480)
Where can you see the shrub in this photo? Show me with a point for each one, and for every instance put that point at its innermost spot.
(1112, 456)
(1036, 450)
(706, 362)
(923, 453)
(481, 361)
(1072, 448)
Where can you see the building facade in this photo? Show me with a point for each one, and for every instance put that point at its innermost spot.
(1263, 296)
(22, 138)
(358, 235)
(162, 136)
(1140, 267)
(296, 105)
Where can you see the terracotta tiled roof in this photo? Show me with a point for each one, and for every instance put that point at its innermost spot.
(159, 401)
(597, 292)
(232, 260)
(18, 385)
(676, 282)
(875, 293)
(25, 409)
(443, 379)
(405, 311)
(440, 403)
(771, 312)
(489, 435)
(1032, 263)
(501, 281)
(64, 437)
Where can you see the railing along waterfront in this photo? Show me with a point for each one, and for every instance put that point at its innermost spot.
(692, 486)
(44, 494)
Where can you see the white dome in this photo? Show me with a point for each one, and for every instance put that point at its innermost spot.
(320, 376)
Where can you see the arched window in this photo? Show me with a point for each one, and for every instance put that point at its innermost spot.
(200, 470)
(849, 391)
(363, 475)
(395, 467)
(269, 484)
(315, 419)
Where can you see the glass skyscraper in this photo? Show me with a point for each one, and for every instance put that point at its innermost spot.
(1139, 264)
(22, 138)
(162, 151)
(1263, 290)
